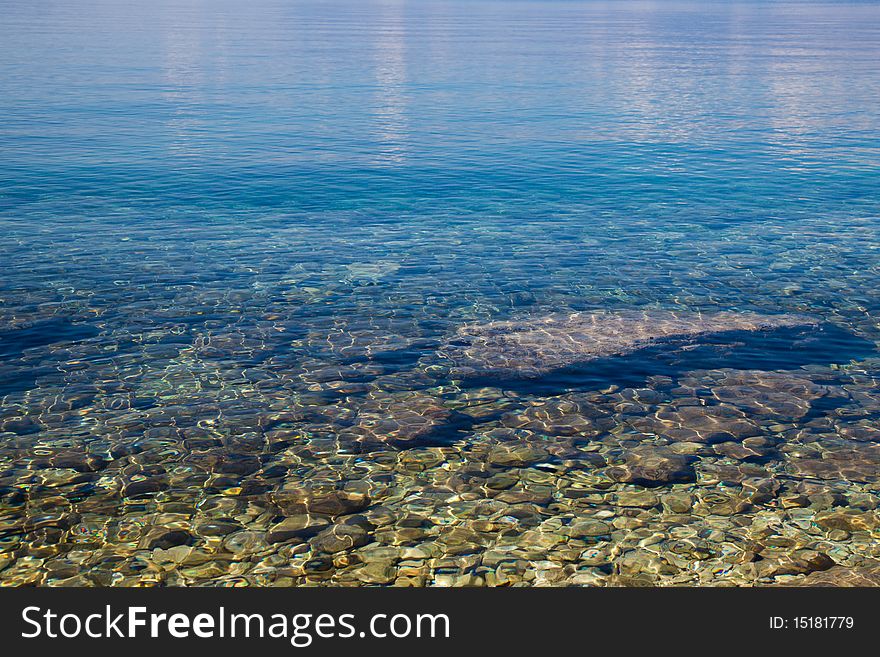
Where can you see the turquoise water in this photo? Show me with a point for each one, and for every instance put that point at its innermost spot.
(239, 241)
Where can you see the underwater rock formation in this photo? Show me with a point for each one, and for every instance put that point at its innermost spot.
(531, 348)
(841, 576)
(404, 421)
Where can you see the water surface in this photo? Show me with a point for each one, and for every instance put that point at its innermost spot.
(236, 235)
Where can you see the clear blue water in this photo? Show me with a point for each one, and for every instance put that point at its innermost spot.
(227, 221)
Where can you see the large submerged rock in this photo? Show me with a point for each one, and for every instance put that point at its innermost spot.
(532, 348)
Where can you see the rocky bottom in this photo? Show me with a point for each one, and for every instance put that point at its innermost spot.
(718, 477)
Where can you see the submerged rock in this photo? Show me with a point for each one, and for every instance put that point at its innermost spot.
(648, 465)
(856, 462)
(337, 538)
(699, 424)
(165, 538)
(302, 526)
(768, 394)
(563, 416)
(531, 348)
(318, 500)
(402, 421)
(371, 271)
(842, 576)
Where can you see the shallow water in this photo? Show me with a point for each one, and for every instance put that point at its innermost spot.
(238, 236)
